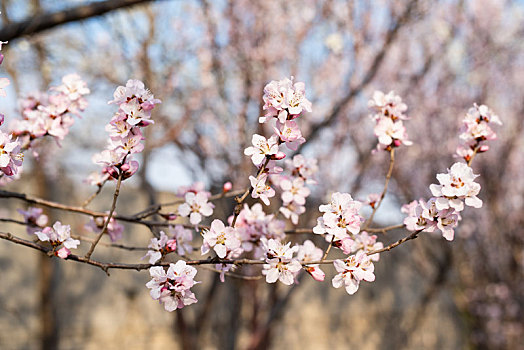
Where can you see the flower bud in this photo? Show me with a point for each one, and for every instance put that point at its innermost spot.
(483, 148)
(169, 216)
(280, 155)
(316, 273)
(227, 187)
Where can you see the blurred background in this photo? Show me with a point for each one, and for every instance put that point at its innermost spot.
(208, 62)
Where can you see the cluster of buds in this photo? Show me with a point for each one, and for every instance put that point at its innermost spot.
(135, 103)
(475, 130)
(58, 235)
(389, 113)
(172, 288)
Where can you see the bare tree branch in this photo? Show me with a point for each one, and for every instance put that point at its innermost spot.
(44, 21)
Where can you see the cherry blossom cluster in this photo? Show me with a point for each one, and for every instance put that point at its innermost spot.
(352, 270)
(178, 239)
(51, 113)
(58, 235)
(135, 103)
(443, 210)
(172, 288)
(113, 229)
(389, 114)
(253, 225)
(281, 264)
(340, 225)
(293, 186)
(457, 187)
(284, 101)
(11, 157)
(475, 130)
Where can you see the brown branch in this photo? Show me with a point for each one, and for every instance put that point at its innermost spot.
(109, 216)
(44, 21)
(368, 76)
(384, 190)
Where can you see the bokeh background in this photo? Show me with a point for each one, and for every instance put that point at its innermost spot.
(208, 61)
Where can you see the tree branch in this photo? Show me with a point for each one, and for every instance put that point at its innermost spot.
(44, 21)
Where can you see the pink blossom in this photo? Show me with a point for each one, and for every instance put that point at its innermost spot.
(283, 98)
(195, 207)
(262, 148)
(389, 131)
(58, 235)
(128, 144)
(221, 238)
(305, 168)
(292, 211)
(114, 229)
(309, 252)
(173, 288)
(183, 237)
(294, 191)
(372, 199)
(368, 243)
(446, 222)
(10, 156)
(74, 88)
(280, 262)
(35, 218)
(158, 247)
(341, 217)
(290, 133)
(456, 185)
(134, 89)
(253, 224)
(351, 271)
(389, 105)
(261, 189)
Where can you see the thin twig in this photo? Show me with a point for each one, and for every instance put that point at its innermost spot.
(383, 194)
(109, 216)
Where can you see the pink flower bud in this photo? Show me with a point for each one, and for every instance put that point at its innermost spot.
(316, 273)
(1, 58)
(171, 245)
(112, 172)
(169, 216)
(227, 187)
(1, 119)
(397, 143)
(280, 155)
(63, 253)
(482, 148)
